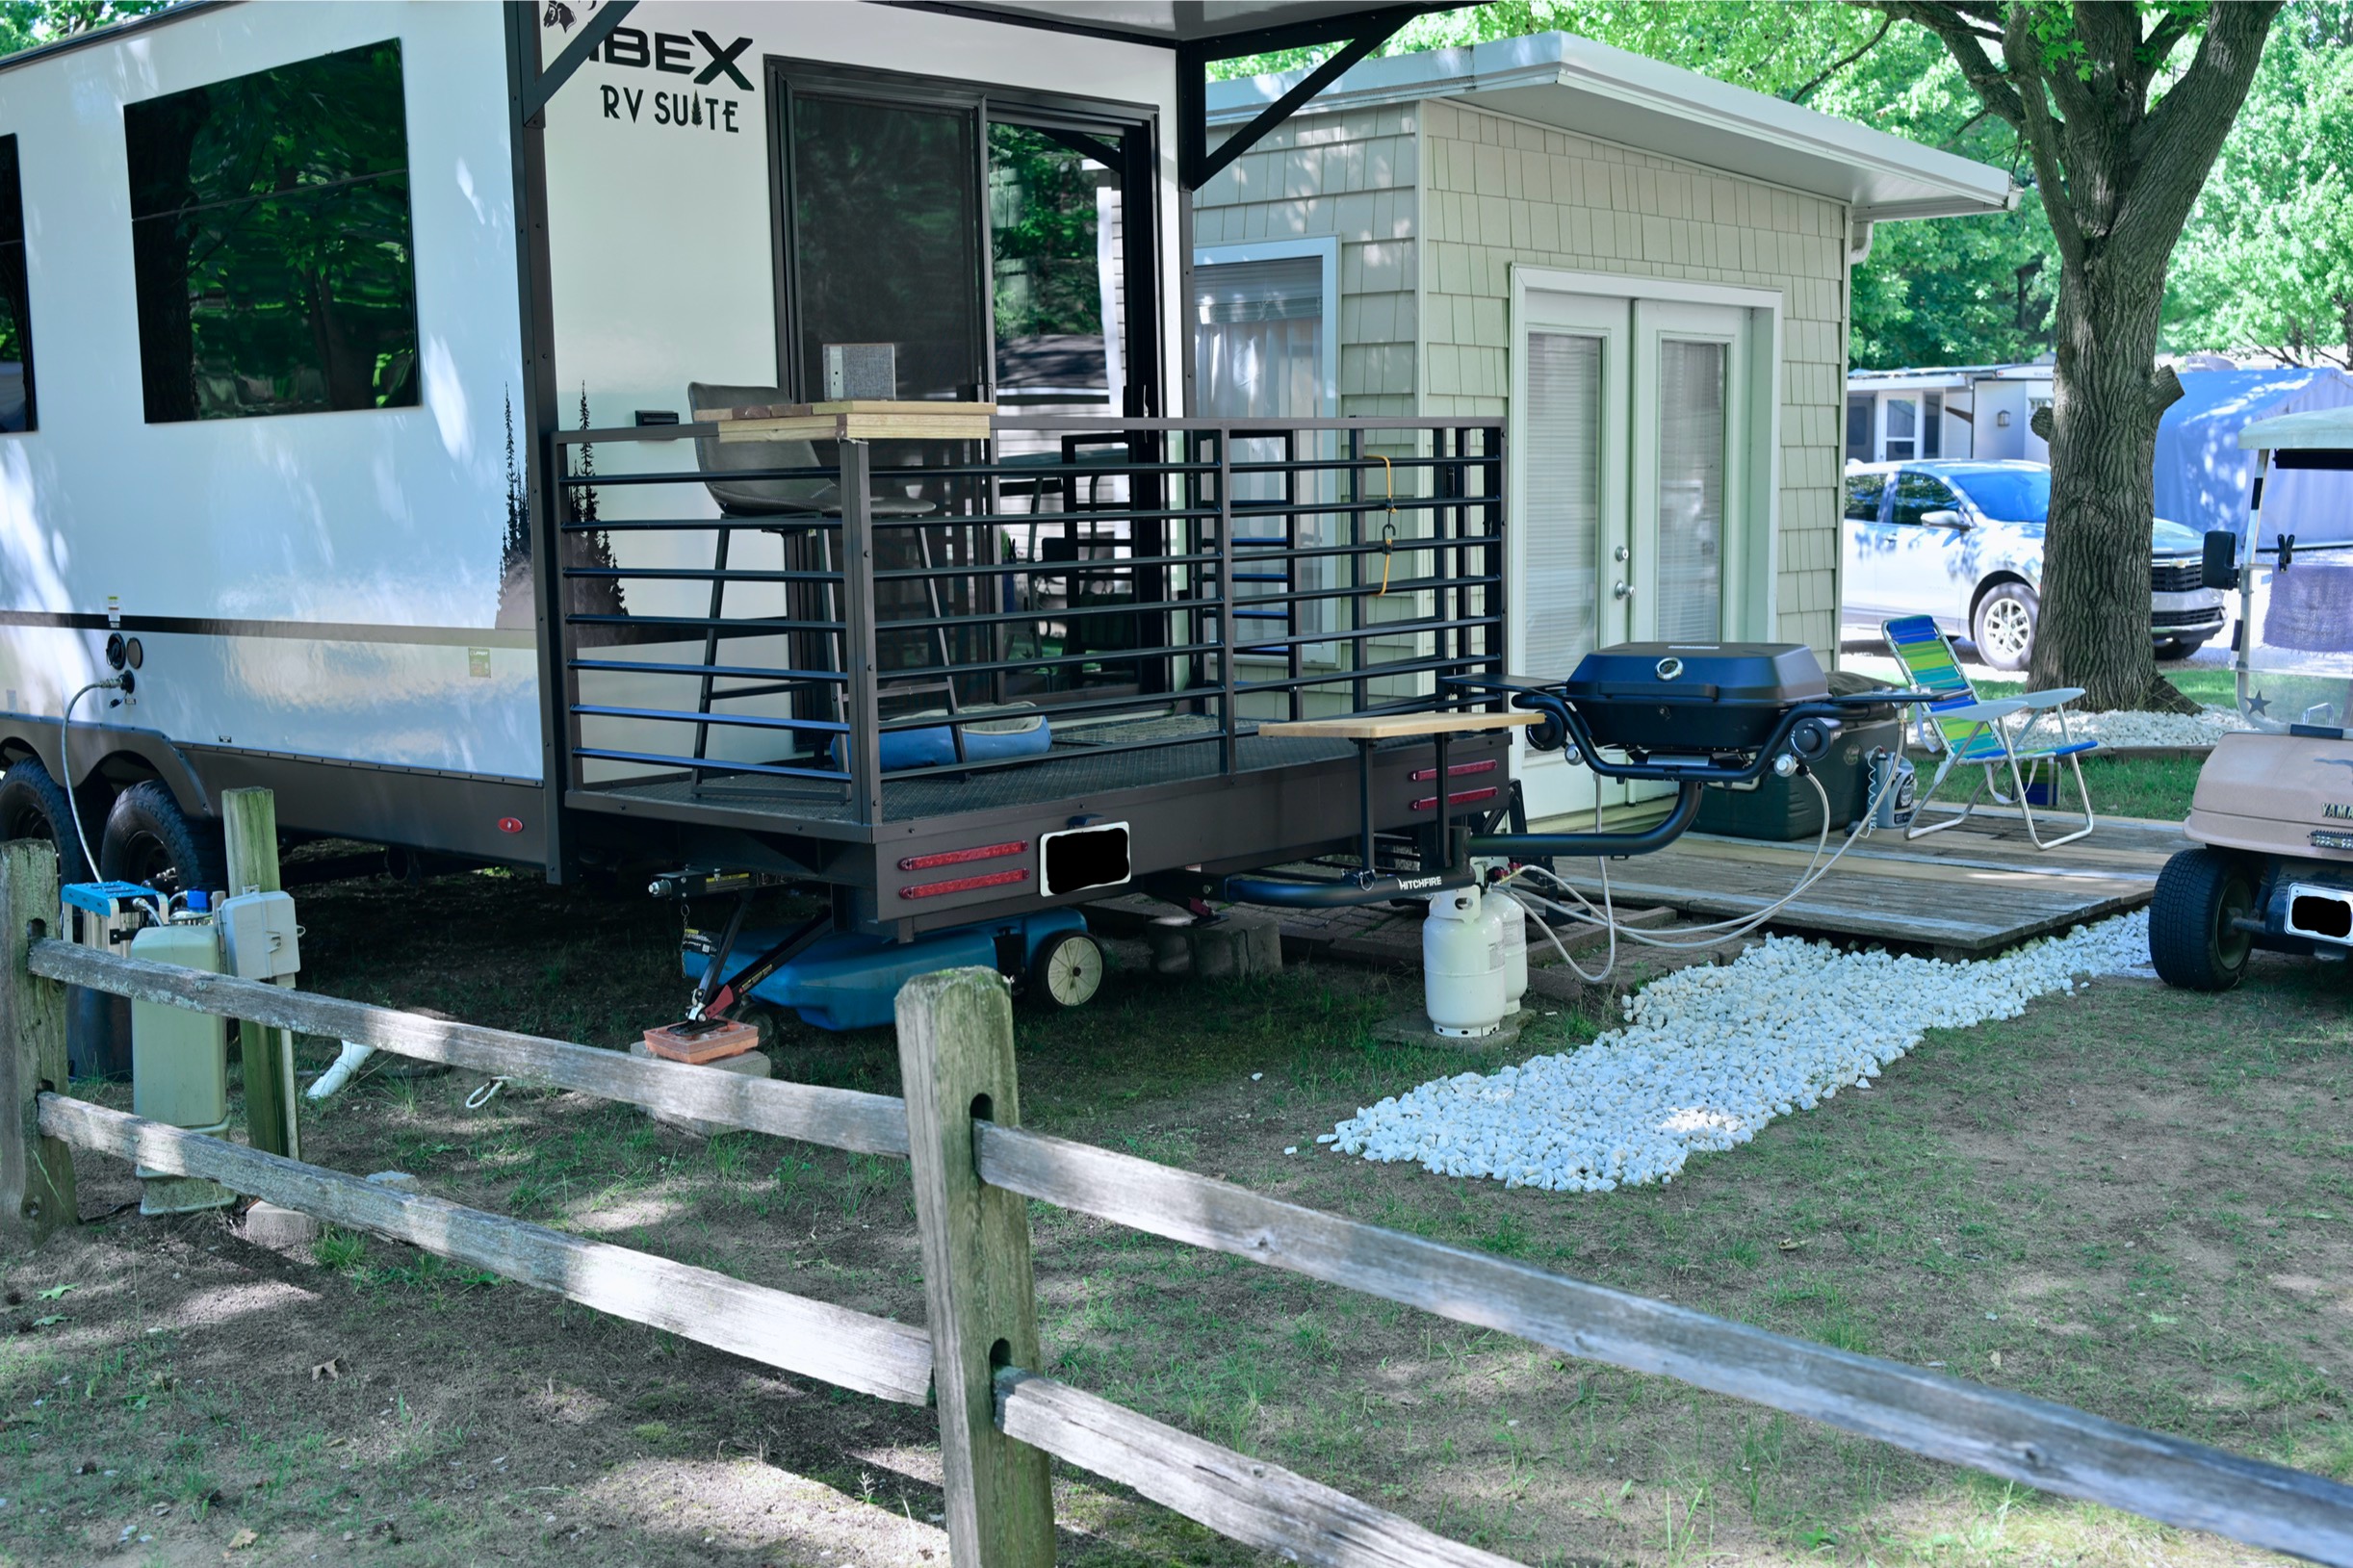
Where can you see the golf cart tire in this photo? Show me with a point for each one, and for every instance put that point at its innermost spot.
(1066, 972)
(2005, 599)
(148, 838)
(33, 805)
(2191, 940)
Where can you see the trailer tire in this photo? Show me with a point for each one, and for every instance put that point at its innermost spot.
(32, 805)
(149, 839)
(2191, 940)
(1067, 970)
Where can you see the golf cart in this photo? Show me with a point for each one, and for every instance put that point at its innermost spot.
(2273, 813)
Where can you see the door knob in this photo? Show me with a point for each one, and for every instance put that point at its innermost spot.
(1623, 591)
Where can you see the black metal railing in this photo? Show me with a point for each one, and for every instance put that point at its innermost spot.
(944, 610)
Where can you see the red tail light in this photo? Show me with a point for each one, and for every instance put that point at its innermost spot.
(1455, 770)
(962, 857)
(964, 885)
(1460, 797)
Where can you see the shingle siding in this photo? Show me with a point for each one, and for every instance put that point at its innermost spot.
(1501, 191)
(1457, 196)
(1354, 177)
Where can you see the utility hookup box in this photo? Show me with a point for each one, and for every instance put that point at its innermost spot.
(258, 936)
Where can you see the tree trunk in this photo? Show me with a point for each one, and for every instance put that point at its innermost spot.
(2107, 398)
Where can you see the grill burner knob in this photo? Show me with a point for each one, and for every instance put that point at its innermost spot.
(1812, 738)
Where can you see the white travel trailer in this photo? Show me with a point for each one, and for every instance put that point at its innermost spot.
(336, 325)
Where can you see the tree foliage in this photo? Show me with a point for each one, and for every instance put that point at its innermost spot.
(25, 23)
(2123, 109)
(2266, 261)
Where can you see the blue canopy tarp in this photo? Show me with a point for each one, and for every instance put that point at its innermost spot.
(2203, 478)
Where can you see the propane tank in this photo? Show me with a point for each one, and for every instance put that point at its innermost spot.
(1462, 968)
(179, 1067)
(1508, 919)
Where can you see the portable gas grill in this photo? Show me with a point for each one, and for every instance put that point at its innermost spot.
(1692, 714)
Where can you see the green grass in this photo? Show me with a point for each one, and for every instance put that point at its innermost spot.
(2209, 689)
(2159, 787)
(2144, 786)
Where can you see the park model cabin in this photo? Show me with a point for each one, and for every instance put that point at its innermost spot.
(416, 398)
(1643, 271)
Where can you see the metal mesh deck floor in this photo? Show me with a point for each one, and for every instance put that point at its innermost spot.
(1068, 771)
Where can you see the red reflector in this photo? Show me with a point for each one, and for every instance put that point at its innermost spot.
(1454, 770)
(964, 885)
(511, 823)
(960, 857)
(1462, 797)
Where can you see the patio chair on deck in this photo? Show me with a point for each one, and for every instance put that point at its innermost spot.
(1967, 732)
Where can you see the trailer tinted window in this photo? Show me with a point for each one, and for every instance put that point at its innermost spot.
(16, 308)
(270, 235)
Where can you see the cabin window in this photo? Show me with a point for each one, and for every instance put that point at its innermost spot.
(270, 241)
(16, 405)
(1932, 425)
(1261, 347)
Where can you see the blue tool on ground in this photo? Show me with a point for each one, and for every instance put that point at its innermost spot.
(842, 980)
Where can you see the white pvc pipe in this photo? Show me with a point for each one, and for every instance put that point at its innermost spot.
(352, 1058)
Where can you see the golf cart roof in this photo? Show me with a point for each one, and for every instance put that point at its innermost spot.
(2315, 429)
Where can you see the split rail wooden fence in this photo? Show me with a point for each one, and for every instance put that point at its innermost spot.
(975, 1168)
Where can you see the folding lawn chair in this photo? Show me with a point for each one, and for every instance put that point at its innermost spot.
(1967, 732)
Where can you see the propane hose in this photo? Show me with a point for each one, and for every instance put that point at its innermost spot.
(65, 757)
(1725, 930)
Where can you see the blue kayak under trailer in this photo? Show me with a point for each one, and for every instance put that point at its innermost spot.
(850, 981)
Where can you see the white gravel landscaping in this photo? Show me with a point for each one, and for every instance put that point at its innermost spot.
(1710, 1055)
(2125, 728)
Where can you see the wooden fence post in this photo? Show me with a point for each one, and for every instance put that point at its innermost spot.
(251, 820)
(36, 1172)
(955, 1052)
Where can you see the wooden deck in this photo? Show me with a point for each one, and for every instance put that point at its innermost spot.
(1968, 891)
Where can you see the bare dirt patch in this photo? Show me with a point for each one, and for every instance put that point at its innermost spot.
(2134, 1198)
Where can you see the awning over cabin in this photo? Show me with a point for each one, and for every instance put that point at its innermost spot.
(1589, 89)
(1177, 22)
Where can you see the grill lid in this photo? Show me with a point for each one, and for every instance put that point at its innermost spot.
(1742, 674)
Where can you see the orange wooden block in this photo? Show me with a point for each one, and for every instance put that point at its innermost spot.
(706, 1040)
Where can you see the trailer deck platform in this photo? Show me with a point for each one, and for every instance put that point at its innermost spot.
(1078, 767)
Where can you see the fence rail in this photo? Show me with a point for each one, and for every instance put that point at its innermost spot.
(2052, 1448)
(873, 1355)
(840, 1118)
(974, 1170)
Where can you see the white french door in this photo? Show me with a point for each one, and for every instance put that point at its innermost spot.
(1634, 448)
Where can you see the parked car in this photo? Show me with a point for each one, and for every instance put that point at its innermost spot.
(1963, 541)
